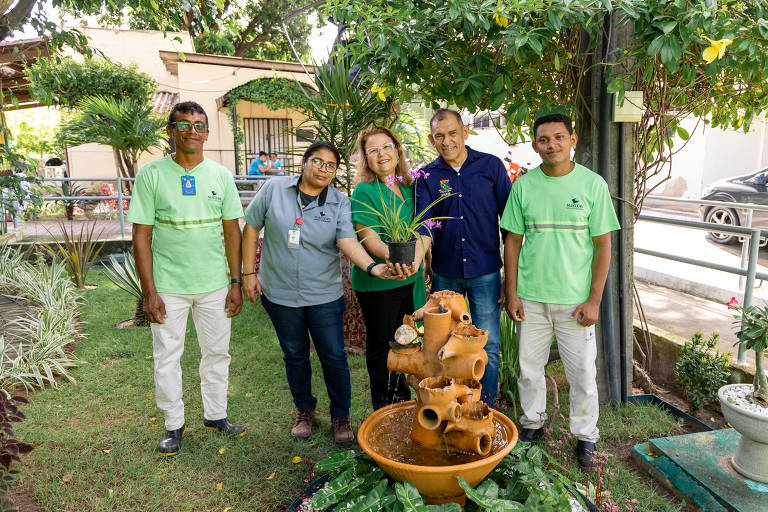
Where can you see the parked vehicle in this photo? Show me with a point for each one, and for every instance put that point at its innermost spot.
(748, 188)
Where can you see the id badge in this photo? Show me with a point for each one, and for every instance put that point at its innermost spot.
(188, 185)
(294, 237)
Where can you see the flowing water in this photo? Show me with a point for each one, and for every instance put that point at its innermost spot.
(391, 438)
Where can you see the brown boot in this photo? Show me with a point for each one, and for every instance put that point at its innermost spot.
(305, 418)
(342, 432)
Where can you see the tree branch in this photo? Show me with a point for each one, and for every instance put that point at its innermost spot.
(16, 17)
(242, 47)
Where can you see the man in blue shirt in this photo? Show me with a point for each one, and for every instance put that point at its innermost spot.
(466, 255)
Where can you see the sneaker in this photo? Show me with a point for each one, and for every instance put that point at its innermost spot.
(170, 444)
(305, 418)
(342, 432)
(585, 454)
(225, 427)
(529, 435)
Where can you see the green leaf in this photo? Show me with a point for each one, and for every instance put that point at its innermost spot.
(615, 85)
(669, 27)
(655, 46)
(373, 501)
(336, 489)
(445, 507)
(670, 53)
(409, 496)
(557, 62)
(683, 133)
(496, 504)
(336, 460)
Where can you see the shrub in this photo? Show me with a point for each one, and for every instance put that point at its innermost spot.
(700, 371)
(10, 448)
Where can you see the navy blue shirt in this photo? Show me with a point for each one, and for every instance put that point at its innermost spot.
(467, 245)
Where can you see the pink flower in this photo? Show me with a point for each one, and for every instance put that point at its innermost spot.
(431, 224)
(389, 180)
(733, 302)
(414, 174)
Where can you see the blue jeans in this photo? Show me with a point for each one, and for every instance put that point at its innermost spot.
(325, 322)
(483, 294)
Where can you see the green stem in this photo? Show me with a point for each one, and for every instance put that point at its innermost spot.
(761, 382)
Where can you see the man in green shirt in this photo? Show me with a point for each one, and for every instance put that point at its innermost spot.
(555, 280)
(179, 207)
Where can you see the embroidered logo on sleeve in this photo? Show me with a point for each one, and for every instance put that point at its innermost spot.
(445, 187)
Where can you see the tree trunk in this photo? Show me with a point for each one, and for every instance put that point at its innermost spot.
(139, 318)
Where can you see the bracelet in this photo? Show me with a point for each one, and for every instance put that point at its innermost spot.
(248, 273)
(370, 267)
(236, 280)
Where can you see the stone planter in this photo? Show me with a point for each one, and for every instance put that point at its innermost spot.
(751, 457)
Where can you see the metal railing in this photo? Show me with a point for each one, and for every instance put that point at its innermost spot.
(749, 255)
(120, 196)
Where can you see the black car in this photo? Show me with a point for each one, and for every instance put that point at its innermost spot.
(749, 188)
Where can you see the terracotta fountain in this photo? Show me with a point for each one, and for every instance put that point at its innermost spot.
(447, 431)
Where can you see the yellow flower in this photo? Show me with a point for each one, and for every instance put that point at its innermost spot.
(296, 459)
(500, 19)
(715, 50)
(379, 91)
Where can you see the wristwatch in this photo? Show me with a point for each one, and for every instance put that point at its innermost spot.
(236, 280)
(370, 267)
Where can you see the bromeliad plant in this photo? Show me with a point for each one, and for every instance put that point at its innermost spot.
(125, 277)
(753, 335)
(77, 251)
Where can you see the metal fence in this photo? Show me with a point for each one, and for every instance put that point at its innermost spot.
(245, 194)
(753, 238)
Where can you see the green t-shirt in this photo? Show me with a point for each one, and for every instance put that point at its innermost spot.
(558, 216)
(372, 194)
(187, 249)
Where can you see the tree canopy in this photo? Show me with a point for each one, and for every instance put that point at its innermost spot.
(65, 82)
(525, 57)
(243, 28)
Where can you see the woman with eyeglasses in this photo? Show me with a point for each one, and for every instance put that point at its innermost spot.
(382, 175)
(306, 221)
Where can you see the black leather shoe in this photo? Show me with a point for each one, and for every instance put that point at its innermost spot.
(225, 427)
(585, 453)
(170, 444)
(530, 435)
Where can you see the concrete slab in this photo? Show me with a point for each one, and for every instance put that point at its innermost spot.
(700, 462)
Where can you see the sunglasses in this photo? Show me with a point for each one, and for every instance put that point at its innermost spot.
(185, 126)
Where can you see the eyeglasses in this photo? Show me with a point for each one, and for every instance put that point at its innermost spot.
(386, 148)
(323, 166)
(185, 126)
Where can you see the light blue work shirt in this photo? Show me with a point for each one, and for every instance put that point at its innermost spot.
(309, 274)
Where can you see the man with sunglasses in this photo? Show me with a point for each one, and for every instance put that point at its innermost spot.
(179, 207)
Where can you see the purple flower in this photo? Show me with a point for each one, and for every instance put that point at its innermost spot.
(425, 174)
(414, 174)
(432, 224)
(389, 180)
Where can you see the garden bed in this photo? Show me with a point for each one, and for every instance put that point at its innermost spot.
(95, 442)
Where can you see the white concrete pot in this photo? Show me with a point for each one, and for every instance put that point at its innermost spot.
(751, 457)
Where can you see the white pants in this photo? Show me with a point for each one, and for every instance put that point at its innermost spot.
(213, 330)
(578, 351)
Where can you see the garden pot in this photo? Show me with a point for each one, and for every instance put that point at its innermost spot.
(402, 252)
(751, 421)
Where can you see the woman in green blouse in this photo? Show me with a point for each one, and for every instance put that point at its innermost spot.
(382, 175)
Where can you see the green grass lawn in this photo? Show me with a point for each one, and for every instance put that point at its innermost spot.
(95, 441)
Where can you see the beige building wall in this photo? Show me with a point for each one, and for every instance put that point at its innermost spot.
(204, 83)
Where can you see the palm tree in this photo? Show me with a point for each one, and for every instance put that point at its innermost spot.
(125, 124)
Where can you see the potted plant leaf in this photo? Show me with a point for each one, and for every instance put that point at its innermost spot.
(745, 406)
(124, 276)
(400, 234)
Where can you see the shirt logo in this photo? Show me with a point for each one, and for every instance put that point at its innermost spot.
(213, 196)
(445, 187)
(575, 203)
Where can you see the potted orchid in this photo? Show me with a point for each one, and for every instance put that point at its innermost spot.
(399, 234)
(745, 406)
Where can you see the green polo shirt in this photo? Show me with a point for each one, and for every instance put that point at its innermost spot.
(187, 249)
(368, 195)
(559, 216)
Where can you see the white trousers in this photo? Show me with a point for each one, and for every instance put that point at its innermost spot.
(213, 331)
(578, 351)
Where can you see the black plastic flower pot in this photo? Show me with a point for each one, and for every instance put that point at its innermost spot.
(402, 252)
